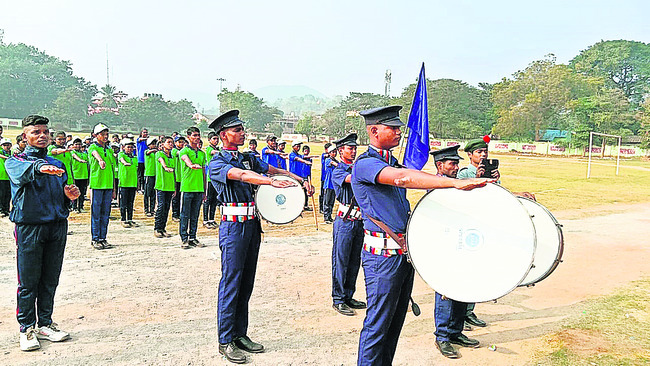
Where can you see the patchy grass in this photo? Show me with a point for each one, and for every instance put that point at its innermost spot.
(614, 330)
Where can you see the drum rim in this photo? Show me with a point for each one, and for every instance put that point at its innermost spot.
(260, 213)
(558, 257)
(410, 259)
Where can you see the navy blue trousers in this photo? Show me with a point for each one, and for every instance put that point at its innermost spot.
(240, 245)
(346, 258)
(162, 212)
(127, 199)
(210, 204)
(100, 211)
(149, 194)
(389, 282)
(190, 210)
(39, 257)
(450, 318)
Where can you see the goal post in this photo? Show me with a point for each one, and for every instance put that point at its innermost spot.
(618, 150)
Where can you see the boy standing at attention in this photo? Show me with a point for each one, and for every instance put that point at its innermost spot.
(165, 186)
(102, 173)
(192, 162)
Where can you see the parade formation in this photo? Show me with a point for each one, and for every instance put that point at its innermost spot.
(48, 174)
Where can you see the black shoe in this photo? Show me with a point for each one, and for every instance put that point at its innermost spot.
(232, 353)
(245, 344)
(463, 340)
(344, 309)
(475, 321)
(97, 244)
(106, 244)
(447, 349)
(355, 304)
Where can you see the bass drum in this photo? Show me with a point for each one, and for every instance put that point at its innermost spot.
(550, 242)
(471, 246)
(280, 205)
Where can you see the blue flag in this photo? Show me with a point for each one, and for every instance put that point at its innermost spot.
(417, 146)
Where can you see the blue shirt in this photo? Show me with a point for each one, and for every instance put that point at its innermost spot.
(385, 203)
(282, 162)
(329, 167)
(234, 191)
(141, 146)
(343, 190)
(306, 169)
(323, 156)
(37, 198)
(270, 159)
(296, 167)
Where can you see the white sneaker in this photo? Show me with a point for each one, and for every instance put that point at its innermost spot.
(52, 333)
(28, 340)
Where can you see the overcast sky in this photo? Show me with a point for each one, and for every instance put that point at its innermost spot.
(179, 48)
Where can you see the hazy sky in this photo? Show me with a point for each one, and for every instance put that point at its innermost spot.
(178, 48)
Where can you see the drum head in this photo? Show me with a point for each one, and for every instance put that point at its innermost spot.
(280, 205)
(550, 242)
(471, 246)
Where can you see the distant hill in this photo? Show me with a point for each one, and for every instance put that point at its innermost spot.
(272, 93)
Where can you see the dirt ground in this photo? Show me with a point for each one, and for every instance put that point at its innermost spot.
(148, 302)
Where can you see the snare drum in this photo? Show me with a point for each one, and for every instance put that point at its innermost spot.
(280, 205)
(550, 242)
(471, 246)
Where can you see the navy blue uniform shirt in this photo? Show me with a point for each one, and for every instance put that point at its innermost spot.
(342, 189)
(37, 198)
(385, 203)
(231, 191)
(269, 158)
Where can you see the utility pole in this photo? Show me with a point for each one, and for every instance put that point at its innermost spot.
(107, 81)
(387, 79)
(220, 80)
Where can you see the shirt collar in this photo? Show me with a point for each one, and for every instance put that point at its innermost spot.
(384, 154)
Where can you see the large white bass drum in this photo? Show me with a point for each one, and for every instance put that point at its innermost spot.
(550, 242)
(471, 246)
(280, 205)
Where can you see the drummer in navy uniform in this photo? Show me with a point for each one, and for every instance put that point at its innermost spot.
(449, 314)
(379, 185)
(348, 232)
(232, 174)
(477, 150)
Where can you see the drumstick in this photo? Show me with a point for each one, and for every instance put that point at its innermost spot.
(313, 205)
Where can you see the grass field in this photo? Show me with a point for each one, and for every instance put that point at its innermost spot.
(614, 330)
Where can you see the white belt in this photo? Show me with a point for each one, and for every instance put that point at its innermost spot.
(380, 243)
(354, 213)
(238, 211)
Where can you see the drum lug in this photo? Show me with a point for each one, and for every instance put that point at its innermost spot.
(530, 285)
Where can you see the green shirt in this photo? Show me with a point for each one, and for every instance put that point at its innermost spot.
(469, 172)
(79, 169)
(101, 178)
(65, 158)
(3, 171)
(127, 175)
(165, 181)
(208, 153)
(150, 163)
(192, 179)
(177, 171)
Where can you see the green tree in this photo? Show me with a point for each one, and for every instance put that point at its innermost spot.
(31, 80)
(252, 109)
(157, 113)
(307, 126)
(624, 65)
(456, 109)
(343, 118)
(70, 109)
(537, 98)
(644, 119)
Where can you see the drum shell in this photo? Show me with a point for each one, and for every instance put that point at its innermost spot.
(280, 205)
(471, 246)
(550, 242)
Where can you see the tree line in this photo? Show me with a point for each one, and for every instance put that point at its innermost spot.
(604, 88)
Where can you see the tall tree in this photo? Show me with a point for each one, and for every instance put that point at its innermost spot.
(537, 97)
(644, 119)
(155, 112)
(344, 118)
(307, 125)
(252, 109)
(30, 80)
(456, 109)
(623, 64)
(70, 109)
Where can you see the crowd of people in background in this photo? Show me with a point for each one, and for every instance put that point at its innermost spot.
(168, 171)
